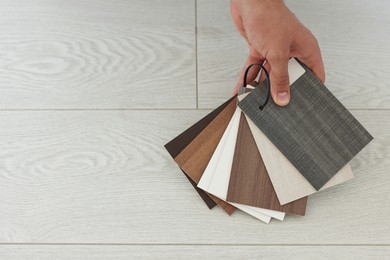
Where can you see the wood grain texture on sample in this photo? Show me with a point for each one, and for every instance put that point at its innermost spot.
(288, 182)
(314, 131)
(176, 145)
(249, 181)
(215, 178)
(194, 158)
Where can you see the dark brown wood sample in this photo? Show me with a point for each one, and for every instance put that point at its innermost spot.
(204, 195)
(175, 146)
(195, 156)
(249, 181)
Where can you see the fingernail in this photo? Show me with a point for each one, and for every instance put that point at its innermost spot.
(283, 98)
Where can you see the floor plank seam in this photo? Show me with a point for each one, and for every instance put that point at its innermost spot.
(196, 54)
(189, 244)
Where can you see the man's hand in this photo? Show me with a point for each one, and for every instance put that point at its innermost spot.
(274, 34)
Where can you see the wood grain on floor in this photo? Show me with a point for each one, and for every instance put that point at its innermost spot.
(97, 54)
(82, 178)
(125, 252)
(105, 177)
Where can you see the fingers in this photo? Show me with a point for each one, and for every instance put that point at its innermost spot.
(267, 66)
(280, 83)
(315, 64)
(253, 57)
(310, 54)
(237, 19)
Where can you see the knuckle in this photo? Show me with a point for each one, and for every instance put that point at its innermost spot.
(278, 56)
(281, 82)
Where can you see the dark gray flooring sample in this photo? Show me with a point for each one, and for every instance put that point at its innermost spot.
(314, 131)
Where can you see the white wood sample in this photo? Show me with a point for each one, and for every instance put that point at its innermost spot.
(215, 179)
(212, 165)
(295, 70)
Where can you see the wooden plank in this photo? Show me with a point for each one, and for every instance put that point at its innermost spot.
(105, 177)
(221, 52)
(178, 144)
(249, 181)
(193, 159)
(216, 176)
(354, 37)
(97, 54)
(125, 252)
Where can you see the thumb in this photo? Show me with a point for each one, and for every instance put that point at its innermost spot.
(280, 83)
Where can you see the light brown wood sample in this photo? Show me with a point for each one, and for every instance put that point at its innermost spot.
(249, 181)
(194, 158)
(176, 145)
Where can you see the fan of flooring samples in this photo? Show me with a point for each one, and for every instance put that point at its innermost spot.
(267, 162)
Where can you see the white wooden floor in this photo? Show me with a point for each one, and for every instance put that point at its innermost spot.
(90, 91)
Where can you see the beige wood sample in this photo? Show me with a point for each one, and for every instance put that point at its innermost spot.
(249, 181)
(288, 182)
(215, 179)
